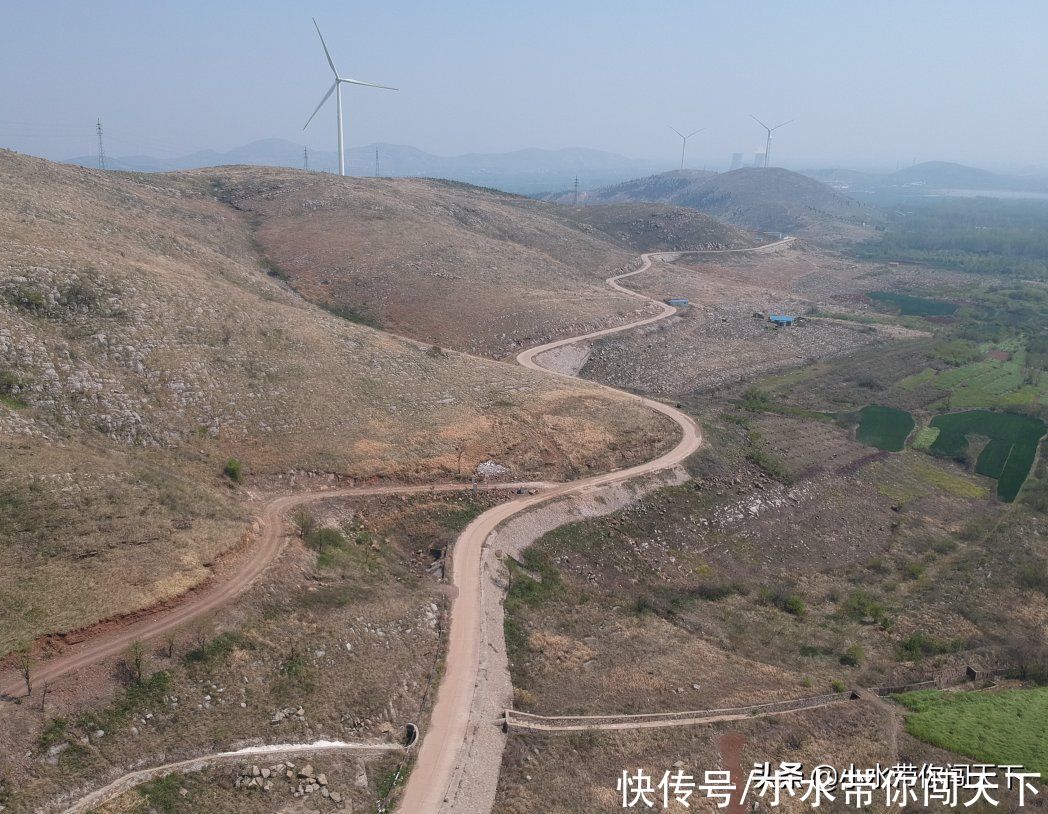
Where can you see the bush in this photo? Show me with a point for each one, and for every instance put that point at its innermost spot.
(861, 607)
(920, 645)
(305, 521)
(838, 686)
(219, 647)
(852, 657)
(782, 599)
(325, 539)
(233, 470)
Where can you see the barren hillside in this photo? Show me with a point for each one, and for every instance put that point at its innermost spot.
(771, 199)
(454, 265)
(143, 345)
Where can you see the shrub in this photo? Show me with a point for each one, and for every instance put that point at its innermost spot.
(920, 645)
(838, 686)
(861, 607)
(220, 646)
(325, 539)
(233, 470)
(852, 657)
(782, 599)
(305, 521)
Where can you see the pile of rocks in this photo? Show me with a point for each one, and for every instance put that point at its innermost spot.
(288, 713)
(310, 782)
(304, 781)
(256, 777)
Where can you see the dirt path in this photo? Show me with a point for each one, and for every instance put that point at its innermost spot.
(133, 779)
(118, 638)
(447, 745)
(448, 737)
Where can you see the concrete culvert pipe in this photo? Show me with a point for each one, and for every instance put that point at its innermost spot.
(410, 736)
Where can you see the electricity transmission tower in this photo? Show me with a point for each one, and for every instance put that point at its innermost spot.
(378, 174)
(305, 158)
(576, 190)
(101, 150)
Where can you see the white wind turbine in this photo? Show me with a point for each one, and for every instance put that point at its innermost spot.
(336, 88)
(684, 140)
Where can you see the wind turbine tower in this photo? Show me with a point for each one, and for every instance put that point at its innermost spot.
(684, 141)
(336, 89)
(770, 130)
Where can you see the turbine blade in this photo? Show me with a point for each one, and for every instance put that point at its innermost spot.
(328, 55)
(696, 132)
(776, 127)
(326, 97)
(762, 124)
(678, 132)
(365, 84)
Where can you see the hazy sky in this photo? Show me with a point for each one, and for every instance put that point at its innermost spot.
(868, 82)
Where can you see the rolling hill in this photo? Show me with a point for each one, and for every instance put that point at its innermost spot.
(146, 340)
(413, 256)
(771, 199)
(524, 171)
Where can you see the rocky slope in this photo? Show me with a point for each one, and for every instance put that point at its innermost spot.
(143, 345)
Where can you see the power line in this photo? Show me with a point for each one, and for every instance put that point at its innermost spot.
(101, 150)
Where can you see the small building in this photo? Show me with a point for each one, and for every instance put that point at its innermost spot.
(678, 302)
(781, 320)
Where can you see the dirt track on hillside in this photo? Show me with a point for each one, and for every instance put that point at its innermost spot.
(117, 637)
(448, 737)
(447, 743)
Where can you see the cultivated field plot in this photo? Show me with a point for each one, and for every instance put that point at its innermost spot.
(712, 346)
(911, 306)
(886, 428)
(867, 376)
(1007, 457)
(341, 640)
(1003, 728)
(990, 382)
(806, 448)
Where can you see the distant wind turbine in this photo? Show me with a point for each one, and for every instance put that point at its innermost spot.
(336, 88)
(767, 144)
(684, 141)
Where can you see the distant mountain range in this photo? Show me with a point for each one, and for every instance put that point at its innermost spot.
(763, 199)
(931, 178)
(523, 171)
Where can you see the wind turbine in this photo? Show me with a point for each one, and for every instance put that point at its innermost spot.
(336, 89)
(767, 144)
(684, 141)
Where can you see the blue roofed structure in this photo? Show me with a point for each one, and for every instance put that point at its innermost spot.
(781, 320)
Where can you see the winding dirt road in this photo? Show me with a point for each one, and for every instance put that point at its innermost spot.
(427, 789)
(447, 736)
(262, 554)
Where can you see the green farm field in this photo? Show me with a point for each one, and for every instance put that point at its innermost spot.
(1009, 454)
(910, 306)
(1005, 728)
(884, 427)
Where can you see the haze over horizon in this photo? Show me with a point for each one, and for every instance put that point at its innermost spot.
(477, 78)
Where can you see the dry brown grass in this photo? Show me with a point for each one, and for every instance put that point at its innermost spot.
(415, 256)
(138, 318)
(349, 635)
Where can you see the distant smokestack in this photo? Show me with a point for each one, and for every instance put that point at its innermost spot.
(758, 159)
(736, 160)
